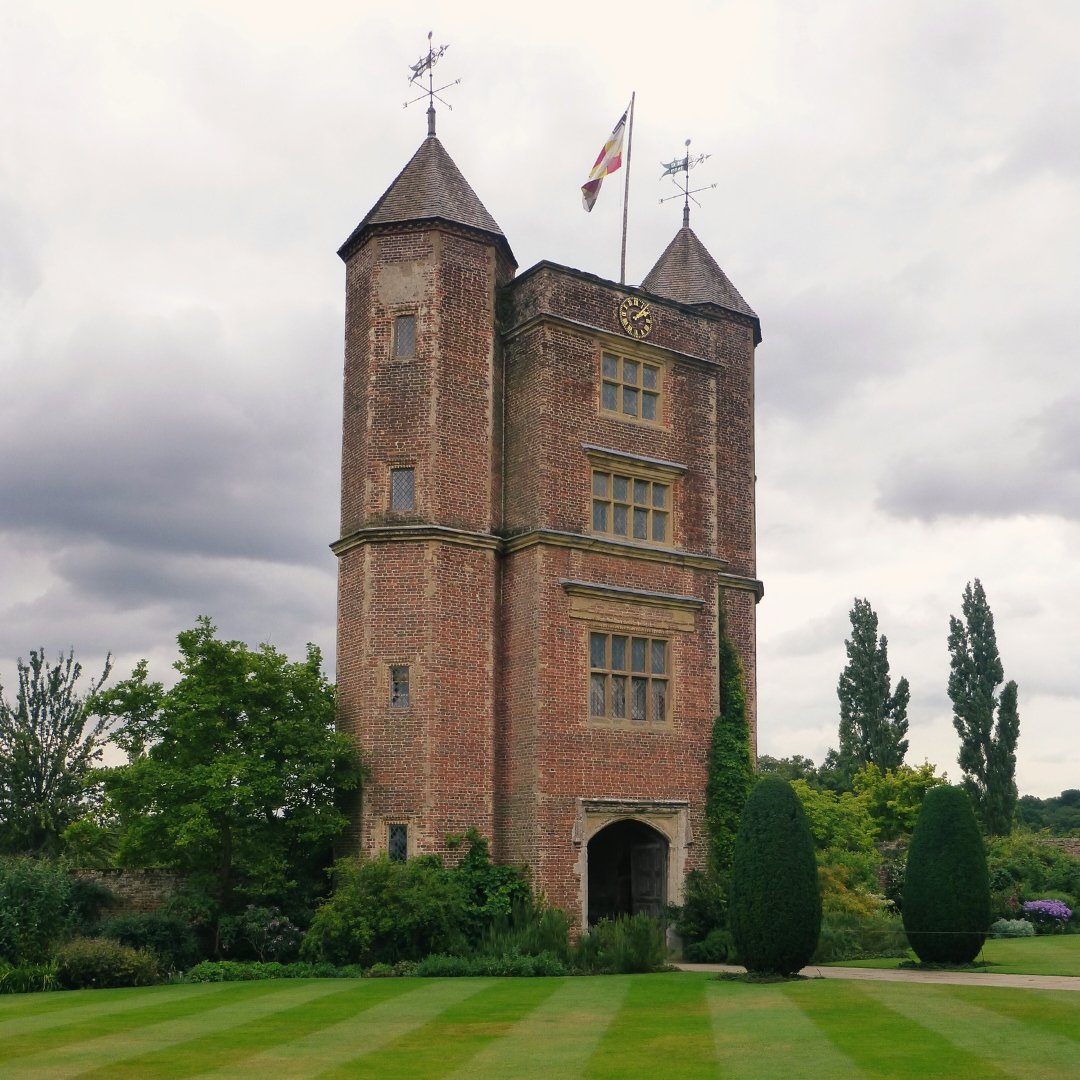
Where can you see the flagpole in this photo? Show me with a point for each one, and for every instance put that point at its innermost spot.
(626, 189)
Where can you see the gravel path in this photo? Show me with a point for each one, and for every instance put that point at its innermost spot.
(955, 978)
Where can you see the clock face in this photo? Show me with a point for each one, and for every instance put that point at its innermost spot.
(635, 317)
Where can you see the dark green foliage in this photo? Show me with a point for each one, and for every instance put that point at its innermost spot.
(47, 755)
(622, 946)
(441, 965)
(95, 963)
(529, 932)
(493, 891)
(873, 719)
(717, 947)
(849, 935)
(1024, 866)
(28, 979)
(946, 908)
(210, 971)
(775, 902)
(90, 900)
(704, 908)
(383, 911)
(170, 938)
(36, 909)
(260, 933)
(731, 767)
(1060, 815)
(235, 774)
(988, 724)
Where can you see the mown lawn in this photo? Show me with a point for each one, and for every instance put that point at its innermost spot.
(1057, 954)
(672, 1025)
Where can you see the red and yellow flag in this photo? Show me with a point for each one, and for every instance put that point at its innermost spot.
(609, 159)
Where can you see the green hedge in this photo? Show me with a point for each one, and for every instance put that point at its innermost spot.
(89, 963)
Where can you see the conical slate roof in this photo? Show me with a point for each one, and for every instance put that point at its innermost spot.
(430, 186)
(688, 274)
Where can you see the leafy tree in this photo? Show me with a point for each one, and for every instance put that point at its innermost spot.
(988, 724)
(946, 905)
(234, 774)
(731, 770)
(775, 904)
(873, 718)
(795, 767)
(47, 754)
(894, 797)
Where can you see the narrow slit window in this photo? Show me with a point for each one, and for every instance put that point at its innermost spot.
(402, 489)
(399, 686)
(404, 337)
(397, 842)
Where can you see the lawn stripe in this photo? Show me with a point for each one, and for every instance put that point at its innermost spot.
(75, 1058)
(316, 1053)
(1056, 1012)
(220, 1049)
(1042, 1054)
(557, 1038)
(120, 1010)
(882, 1042)
(760, 1033)
(62, 1007)
(664, 1019)
(456, 1034)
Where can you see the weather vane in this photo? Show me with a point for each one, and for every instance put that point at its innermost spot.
(684, 165)
(427, 63)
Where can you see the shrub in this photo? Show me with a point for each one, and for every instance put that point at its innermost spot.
(946, 889)
(717, 947)
(1048, 916)
(86, 963)
(1004, 928)
(625, 945)
(1024, 867)
(36, 911)
(775, 902)
(252, 971)
(442, 965)
(703, 911)
(260, 932)
(529, 932)
(852, 936)
(28, 979)
(170, 938)
(383, 911)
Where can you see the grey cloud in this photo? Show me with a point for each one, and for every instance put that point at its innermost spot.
(20, 240)
(1033, 470)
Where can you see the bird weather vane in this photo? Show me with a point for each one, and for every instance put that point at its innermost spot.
(426, 63)
(684, 165)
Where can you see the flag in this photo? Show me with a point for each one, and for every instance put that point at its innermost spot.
(608, 160)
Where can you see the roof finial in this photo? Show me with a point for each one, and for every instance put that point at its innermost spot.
(684, 165)
(426, 63)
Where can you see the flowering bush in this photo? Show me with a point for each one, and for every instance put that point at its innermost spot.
(1049, 916)
(1011, 928)
(261, 931)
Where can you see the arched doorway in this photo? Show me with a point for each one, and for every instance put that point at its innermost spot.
(627, 863)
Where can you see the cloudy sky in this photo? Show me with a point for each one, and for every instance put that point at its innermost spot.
(896, 196)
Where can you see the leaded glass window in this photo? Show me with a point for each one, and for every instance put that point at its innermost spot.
(628, 678)
(402, 489)
(630, 508)
(397, 842)
(404, 337)
(630, 389)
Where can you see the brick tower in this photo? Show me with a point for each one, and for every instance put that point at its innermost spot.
(547, 491)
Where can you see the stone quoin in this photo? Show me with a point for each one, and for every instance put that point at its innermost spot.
(542, 505)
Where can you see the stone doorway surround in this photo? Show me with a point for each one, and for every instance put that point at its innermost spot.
(669, 817)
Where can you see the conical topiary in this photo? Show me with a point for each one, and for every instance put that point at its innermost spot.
(946, 887)
(775, 903)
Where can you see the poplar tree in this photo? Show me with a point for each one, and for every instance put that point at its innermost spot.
(48, 754)
(873, 719)
(987, 722)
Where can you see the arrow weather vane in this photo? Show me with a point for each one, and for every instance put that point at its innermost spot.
(684, 165)
(427, 63)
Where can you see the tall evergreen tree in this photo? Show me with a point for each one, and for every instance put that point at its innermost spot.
(873, 719)
(731, 767)
(988, 723)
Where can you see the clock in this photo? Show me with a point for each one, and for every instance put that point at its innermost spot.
(635, 317)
